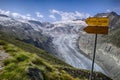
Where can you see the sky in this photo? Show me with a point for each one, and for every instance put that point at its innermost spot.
(55, 10)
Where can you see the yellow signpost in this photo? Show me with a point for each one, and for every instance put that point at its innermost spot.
(96, 30)
(98, 21)
(96, 26)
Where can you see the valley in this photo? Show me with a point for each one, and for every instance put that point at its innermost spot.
(65, 40)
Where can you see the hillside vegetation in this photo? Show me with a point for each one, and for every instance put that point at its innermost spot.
(26, 62)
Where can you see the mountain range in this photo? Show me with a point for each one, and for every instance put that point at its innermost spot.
(66, 41)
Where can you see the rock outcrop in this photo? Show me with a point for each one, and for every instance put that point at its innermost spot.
(35, 74)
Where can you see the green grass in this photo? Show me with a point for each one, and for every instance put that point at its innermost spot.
(30, 48)
(16, 66)
(24, 56)
(59, 75)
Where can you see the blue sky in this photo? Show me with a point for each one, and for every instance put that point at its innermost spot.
(59, 9)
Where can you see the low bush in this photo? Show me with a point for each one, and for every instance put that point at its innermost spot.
(21, 57)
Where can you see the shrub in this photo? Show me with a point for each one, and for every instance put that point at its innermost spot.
(21, 57)
(2, 42)
(10, 48)
(11, 67)
(8, 61)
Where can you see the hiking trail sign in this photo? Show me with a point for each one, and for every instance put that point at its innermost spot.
(97, 25)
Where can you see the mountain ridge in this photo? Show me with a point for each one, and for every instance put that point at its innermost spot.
(114, 19)
(57, 39)
(107, 53)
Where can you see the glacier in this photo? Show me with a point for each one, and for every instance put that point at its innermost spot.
(65, 36)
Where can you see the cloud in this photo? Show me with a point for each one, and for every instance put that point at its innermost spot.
(39, 15)
(108, 10)
(54, 14)
(55, 11)
(16, 15)
(28, 15)
(53, 17)
(69, 15)
(19, 16)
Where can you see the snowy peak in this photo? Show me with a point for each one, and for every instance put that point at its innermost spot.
(10, 22)
(78, 23)
(70, 22)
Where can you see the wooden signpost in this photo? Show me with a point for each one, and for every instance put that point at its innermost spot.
(96, 26)
(96, 30)
(97, 21)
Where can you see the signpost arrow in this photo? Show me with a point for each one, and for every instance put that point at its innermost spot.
(96, 30)
(96, 26)
(97, 21)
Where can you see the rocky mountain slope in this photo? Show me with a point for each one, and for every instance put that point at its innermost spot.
(25, 31)
(59, 38)
(65, 39)
(114, 19)
(23, 61)
(108, 48)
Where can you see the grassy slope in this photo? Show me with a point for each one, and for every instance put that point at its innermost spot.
(24, 56)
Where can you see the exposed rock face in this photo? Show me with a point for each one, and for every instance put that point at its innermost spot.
(35, 74)
(107, 54)
(3, 56)
(28, 31)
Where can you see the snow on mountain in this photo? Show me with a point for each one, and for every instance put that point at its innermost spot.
(64, 36)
